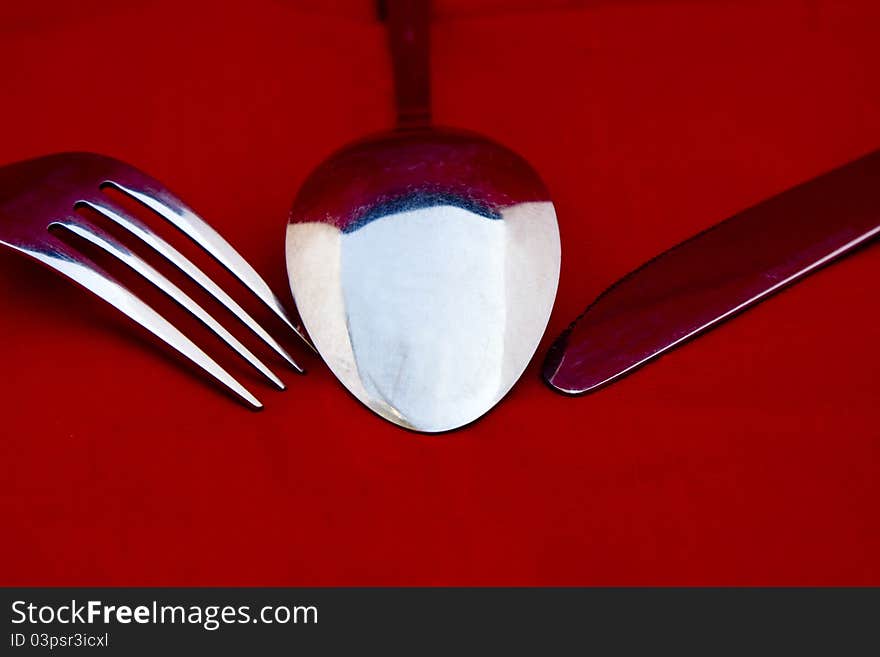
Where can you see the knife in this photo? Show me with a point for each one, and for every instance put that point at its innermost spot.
(716, 274)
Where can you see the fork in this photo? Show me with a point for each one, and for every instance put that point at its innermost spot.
(45, 193)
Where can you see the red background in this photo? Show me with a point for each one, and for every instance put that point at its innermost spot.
(749, 456)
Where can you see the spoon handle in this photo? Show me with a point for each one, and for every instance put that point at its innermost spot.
(410, 44)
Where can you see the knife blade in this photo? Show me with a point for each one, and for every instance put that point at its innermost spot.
(717, 274)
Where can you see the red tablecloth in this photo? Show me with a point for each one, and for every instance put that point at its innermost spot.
(750, 456)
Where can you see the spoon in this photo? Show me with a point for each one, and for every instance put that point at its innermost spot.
(423, 261)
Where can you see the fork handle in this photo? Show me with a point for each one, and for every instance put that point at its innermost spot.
(410, 44)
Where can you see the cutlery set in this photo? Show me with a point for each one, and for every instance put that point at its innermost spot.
(424, 261)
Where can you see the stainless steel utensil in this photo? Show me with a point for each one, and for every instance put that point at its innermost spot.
(424, 261)
(711, 277)
(43, 193)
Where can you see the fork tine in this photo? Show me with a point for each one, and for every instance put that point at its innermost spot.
(184, 264)
(173, 210)
(107, 243)
(82, 271)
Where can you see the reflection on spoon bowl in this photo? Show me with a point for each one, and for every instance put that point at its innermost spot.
(424, 264)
